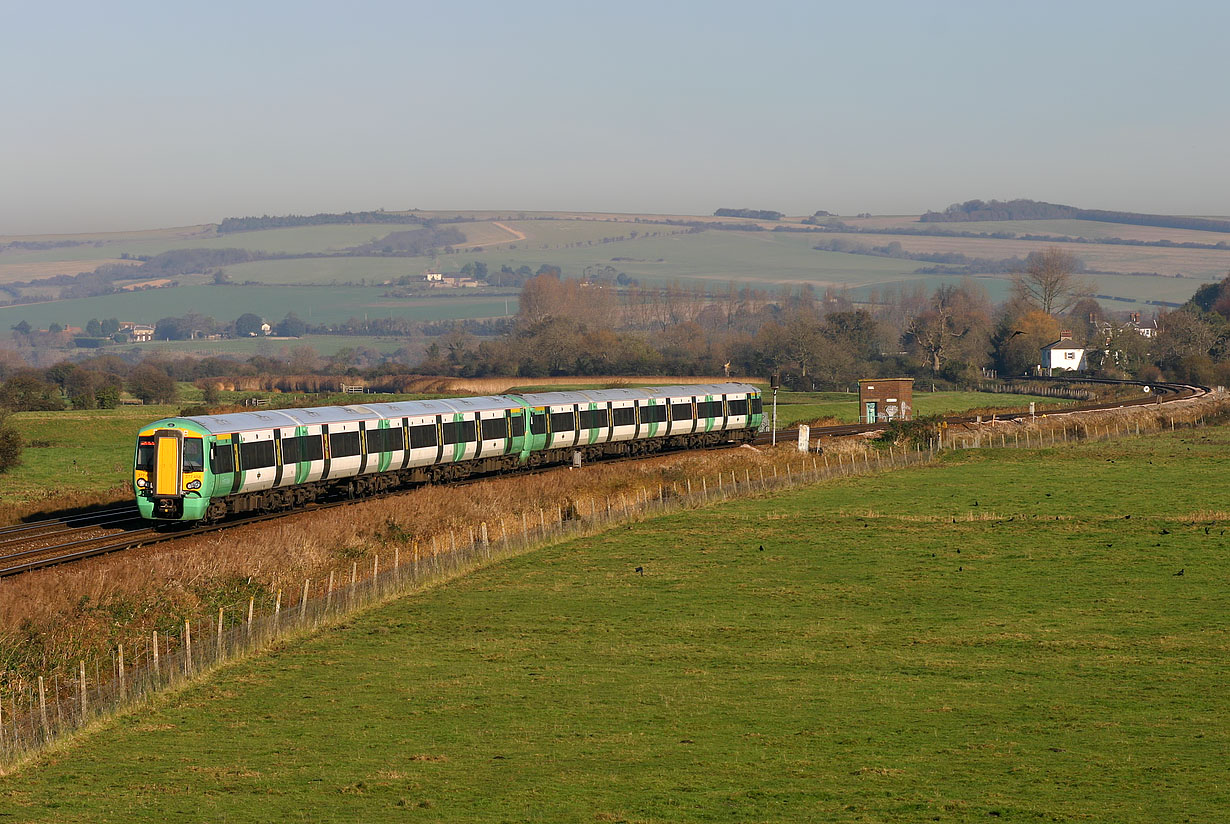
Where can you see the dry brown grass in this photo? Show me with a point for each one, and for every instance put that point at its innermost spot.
(56, 502)
(50, 619)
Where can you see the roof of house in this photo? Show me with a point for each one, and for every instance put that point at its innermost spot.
(1065, 343)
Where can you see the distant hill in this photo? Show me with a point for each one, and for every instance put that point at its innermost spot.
(979, 210)
(252, 224)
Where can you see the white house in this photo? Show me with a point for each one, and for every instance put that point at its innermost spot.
(1064, 355)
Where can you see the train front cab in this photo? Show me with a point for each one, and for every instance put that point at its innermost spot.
(170, 476)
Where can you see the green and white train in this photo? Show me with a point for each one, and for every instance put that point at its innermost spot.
(206, 467)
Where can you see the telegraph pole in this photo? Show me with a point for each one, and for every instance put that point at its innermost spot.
(774, 381)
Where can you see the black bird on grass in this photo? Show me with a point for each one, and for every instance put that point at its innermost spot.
(1180, 572)
(640, 571)
(762, 547)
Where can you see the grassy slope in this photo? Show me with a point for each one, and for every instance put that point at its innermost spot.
(225, 303)
(801, 407)
(870, 664)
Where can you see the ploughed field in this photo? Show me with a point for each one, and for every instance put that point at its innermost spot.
(1009, 635)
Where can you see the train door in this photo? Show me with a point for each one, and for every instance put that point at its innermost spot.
(168, 463)
(871, 412)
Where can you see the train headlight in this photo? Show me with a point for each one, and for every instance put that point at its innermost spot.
(192, 485)
(140, 483)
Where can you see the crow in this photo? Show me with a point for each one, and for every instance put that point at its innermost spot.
(1180, 572)
(640, 570)
(1164, 532)
(762, 547)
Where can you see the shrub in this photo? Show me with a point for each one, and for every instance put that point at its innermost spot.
(10, 444)
(916, 432)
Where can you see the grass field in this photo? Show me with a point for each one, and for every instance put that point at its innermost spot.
(714, 257)
(964, 642)
(315, 304)
(75, 451)
(801, 407)
(272, 347)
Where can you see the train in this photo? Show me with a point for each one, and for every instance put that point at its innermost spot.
(202, 469)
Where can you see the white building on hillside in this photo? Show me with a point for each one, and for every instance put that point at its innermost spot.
(1064, 355)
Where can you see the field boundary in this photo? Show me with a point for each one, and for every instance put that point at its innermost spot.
(43, 713)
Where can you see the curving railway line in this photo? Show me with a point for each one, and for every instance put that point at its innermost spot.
(40, 544)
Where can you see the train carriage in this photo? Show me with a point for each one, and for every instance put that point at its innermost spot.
(204, 467)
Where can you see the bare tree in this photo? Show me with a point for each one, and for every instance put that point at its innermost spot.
(1049, 280)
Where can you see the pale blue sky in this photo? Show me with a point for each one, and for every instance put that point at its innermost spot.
(128, 115)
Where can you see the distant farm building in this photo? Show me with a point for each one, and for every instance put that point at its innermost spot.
(881, 400)
(137, 332)
(1063, 355)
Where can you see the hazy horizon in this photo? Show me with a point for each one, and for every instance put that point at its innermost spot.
(145, 115)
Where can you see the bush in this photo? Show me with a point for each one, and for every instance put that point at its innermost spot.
(916, 432)
(10, 445)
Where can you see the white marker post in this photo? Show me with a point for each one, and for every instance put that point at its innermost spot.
(804, 437)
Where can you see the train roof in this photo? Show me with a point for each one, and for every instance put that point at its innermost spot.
(635, 393)
(271, 418)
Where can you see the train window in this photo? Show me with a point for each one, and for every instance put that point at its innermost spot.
(383, 440)
(593, 419)
(459, 432)
(562, 422)
(421, 436)
(756, 405)
(145, 455)
(302, 448)
(709, 409)
(194, 455)
(538, 423)
(681, 411)
(256, 455)
(343, 444)
(653, 414)
(517, 423)
(495, 429)
(738, 407)
(623, 416)
(221, 458)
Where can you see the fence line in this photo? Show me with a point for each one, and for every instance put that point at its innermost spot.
(35, 716)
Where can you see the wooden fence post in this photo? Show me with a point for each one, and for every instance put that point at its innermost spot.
(329, 592)
(251, 607)
(157, 671)
(303, 601)
(187, 646)
(42, 708)
(219, 650)
(123, 683)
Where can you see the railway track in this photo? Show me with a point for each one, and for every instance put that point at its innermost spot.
(18, 552)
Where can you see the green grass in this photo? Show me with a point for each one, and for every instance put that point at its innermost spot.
(324, 345)
(883, 659)
(75, 451)
(315, 304)
(801, 407)
(293, 240)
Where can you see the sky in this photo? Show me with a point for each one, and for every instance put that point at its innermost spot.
(124, 115)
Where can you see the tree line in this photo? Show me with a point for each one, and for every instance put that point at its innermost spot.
(1023, 209)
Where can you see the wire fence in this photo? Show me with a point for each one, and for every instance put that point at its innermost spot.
(37, 713)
